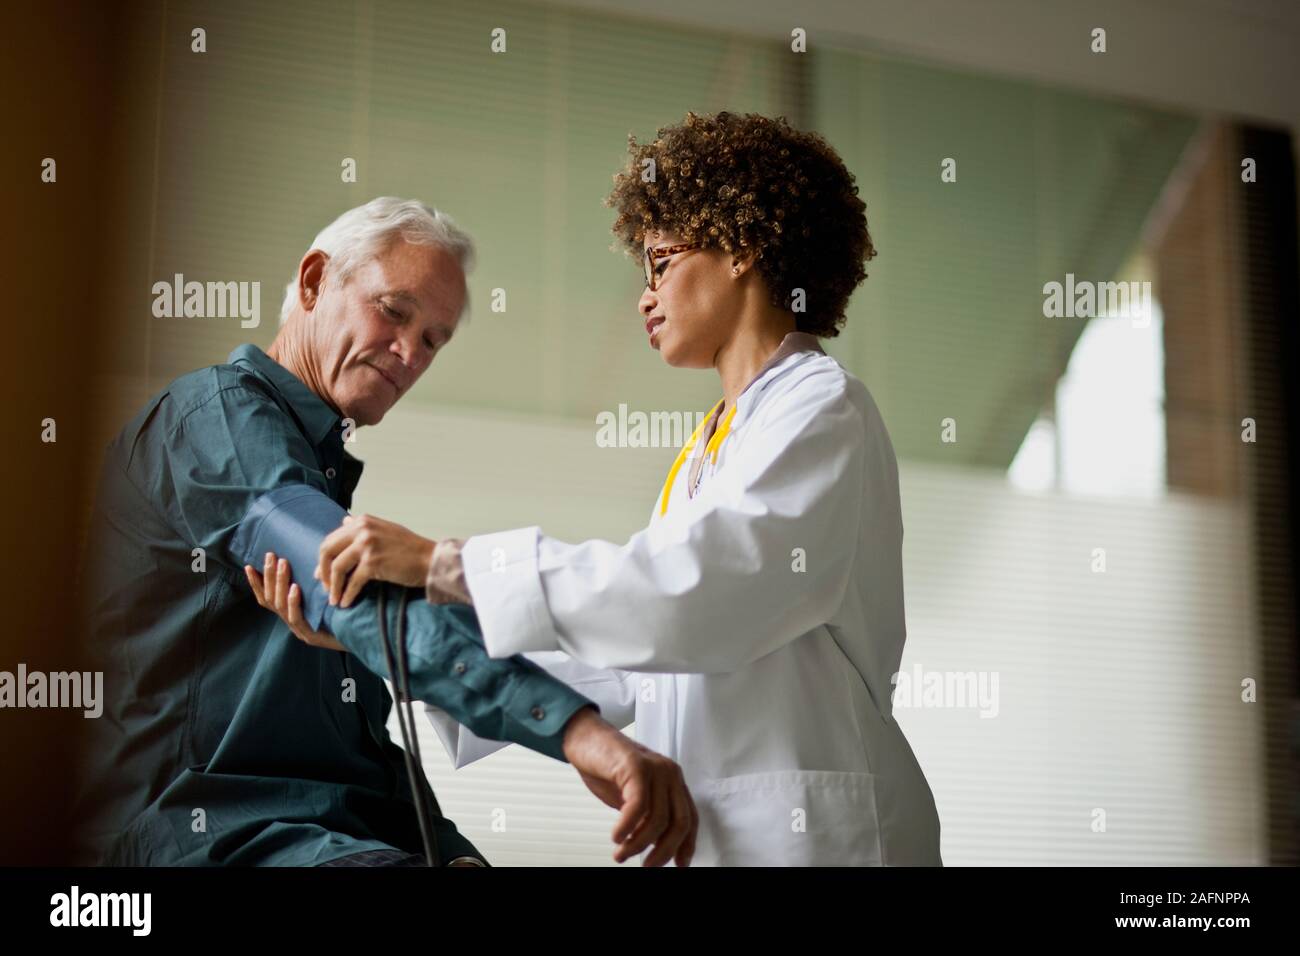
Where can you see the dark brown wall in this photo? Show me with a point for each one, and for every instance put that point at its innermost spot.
(56, 78)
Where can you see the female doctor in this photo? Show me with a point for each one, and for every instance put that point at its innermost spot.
(752, 629)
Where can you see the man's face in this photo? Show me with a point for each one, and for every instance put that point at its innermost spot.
(373, 336)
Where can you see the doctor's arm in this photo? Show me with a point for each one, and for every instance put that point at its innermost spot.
(761, 556)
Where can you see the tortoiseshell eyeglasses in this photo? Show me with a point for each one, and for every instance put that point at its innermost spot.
(663, 252)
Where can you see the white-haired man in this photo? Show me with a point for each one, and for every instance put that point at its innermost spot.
(226, 740)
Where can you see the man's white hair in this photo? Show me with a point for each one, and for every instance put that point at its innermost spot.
(361, 234)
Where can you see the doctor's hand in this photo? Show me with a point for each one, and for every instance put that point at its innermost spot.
(648, 788)
(366, 549)
(273, 591)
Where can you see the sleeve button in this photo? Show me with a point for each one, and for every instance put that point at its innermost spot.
(330, 473)
(460, 667)
(538, 713)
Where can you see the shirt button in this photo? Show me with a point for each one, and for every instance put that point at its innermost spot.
(460, 667)
(330, 472)
(538, 713)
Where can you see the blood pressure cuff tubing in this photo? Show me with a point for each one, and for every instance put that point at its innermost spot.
(292, 521)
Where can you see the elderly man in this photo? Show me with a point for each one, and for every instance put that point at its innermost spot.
(224, 740)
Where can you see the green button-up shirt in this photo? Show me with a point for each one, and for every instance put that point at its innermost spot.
(223, 739)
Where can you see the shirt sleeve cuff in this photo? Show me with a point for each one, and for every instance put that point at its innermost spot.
(503, 579)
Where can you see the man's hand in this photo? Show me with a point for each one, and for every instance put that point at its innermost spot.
(274, 592)
(648, 788)
(367, 549)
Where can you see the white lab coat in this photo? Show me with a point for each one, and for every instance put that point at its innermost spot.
(751, 631)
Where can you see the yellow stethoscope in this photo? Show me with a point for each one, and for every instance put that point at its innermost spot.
(715, 443)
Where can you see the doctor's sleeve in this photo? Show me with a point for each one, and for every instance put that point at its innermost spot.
(759, 557)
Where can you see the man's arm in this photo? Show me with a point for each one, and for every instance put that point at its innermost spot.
(614, 692)
(213, 464)
(448, 667)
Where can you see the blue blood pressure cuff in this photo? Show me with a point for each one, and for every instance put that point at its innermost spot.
(291, 521)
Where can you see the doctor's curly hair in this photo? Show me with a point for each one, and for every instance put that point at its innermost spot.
(742, 182)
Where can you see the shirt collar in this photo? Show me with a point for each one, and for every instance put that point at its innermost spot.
(316, 417)
(792, 343)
